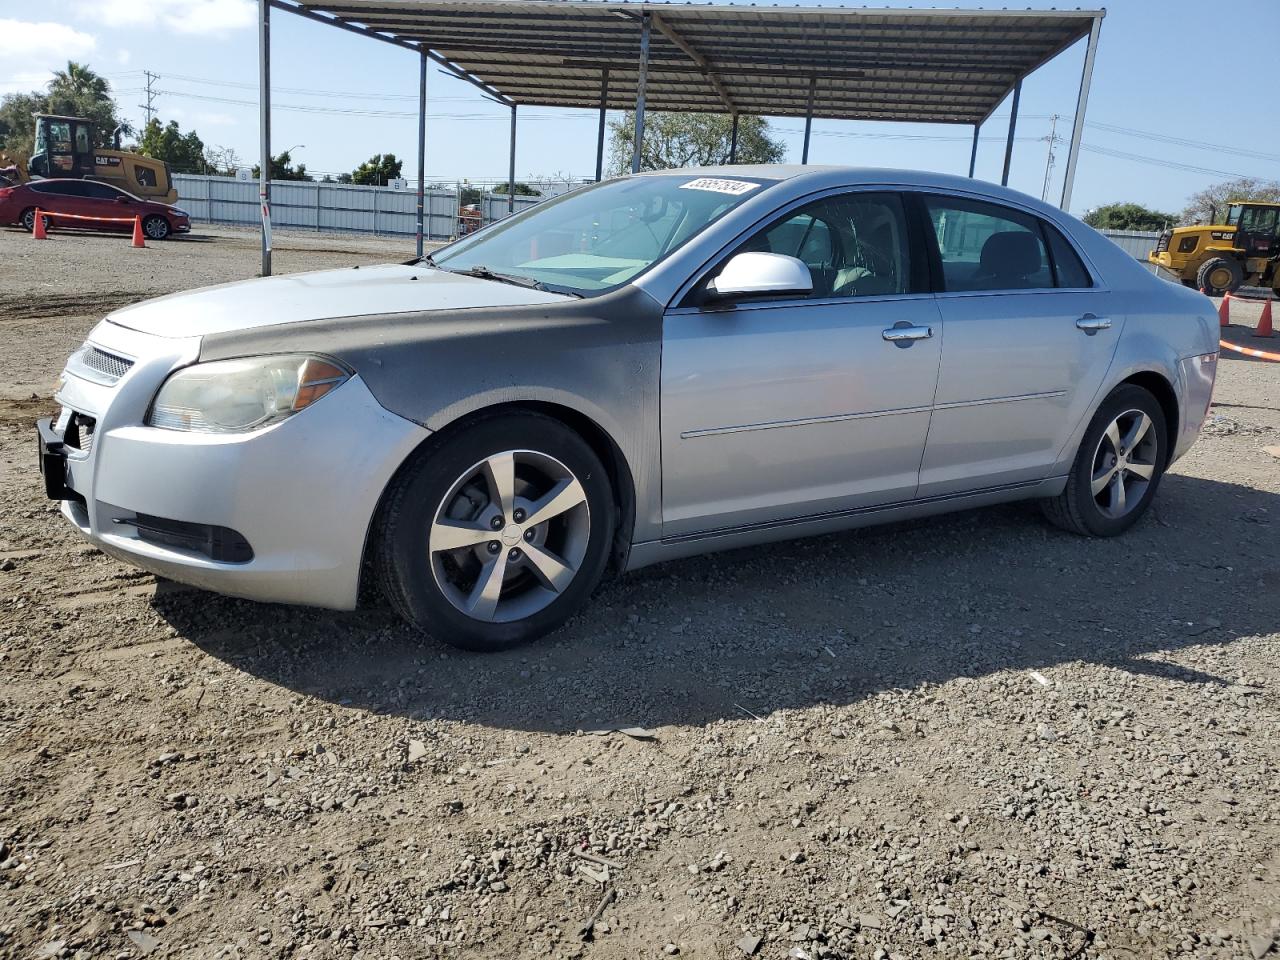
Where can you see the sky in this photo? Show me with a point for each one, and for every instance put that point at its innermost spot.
(1159, 125)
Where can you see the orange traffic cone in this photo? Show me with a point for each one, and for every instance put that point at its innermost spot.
(1224, 310)
(1264, 325)
(37, 226)
(138, 241)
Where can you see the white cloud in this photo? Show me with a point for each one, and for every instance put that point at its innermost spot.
(123, 57)
(31, 51)
(181, 16)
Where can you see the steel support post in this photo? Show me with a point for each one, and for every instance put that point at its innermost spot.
(264, 129)
(1013, 124)
(638, 134)
(973, 153)
(808, 121)
(604, 106)
(422, 146)
(511, 170)
(1082, 103)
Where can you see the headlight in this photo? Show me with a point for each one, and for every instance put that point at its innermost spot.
(235, 396)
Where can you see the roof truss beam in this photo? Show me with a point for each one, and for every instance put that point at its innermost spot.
(669, 32)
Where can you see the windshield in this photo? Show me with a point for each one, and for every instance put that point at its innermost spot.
(600, 237)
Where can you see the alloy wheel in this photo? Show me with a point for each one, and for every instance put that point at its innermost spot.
(155, 228)
(509, 536)
(1124, 464)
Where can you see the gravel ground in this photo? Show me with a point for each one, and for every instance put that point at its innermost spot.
(968, 737)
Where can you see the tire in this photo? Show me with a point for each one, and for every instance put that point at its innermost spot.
(1228, 274)
(28, 220)
(156, 228)
(1078, 509)
(446, 493)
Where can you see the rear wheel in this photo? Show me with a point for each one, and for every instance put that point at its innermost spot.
(1117, 469)
(496, 535)
(155, 227)
(1219, 275)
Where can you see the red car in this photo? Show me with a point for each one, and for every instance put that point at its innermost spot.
(89, 198)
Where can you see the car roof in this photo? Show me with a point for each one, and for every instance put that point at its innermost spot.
(821, 176)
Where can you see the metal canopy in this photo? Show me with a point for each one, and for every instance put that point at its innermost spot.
(937, 66)
(931, 66)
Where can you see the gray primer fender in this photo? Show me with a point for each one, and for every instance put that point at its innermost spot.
(598, 356)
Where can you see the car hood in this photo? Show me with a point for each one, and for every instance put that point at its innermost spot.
(350, 292)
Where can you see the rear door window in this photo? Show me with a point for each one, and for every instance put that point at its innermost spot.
(100, 191)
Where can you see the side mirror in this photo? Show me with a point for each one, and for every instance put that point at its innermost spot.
(761, 275)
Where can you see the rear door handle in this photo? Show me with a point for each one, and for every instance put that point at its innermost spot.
(907, 332)
(1091, 324)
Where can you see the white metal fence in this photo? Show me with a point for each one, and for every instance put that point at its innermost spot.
(1137, 243)
(335, 206)
(349, 209)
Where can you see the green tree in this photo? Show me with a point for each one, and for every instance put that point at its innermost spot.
(378, 170)
(1201, 206)
(185, 153)
(691, 140)
(76, 91)
(282, 169)
(17, 128)
(79, 92)
(1128, 216)
(522, 190)
(78, 80)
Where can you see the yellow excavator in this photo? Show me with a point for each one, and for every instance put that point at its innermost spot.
(1218, 257)
(64, 147)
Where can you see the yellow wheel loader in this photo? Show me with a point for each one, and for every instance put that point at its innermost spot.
(1219, 258)
(64, 147)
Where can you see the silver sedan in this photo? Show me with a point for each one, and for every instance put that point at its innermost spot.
(647, 368)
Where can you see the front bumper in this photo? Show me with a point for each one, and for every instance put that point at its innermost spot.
(301, 492)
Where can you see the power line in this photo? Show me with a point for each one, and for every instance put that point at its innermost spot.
(1160, 162)
(1183, 142)
(376, 114)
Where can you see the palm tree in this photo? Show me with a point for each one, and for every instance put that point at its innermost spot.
(78, 80)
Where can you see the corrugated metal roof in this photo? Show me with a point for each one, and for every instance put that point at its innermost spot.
(940, 66)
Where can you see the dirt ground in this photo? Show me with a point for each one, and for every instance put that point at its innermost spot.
(969, 737)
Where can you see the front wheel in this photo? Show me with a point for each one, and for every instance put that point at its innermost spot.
(1117, 468)
(156, 228)
(497, 534)
(1219, 275)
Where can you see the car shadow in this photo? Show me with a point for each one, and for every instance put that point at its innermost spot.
(829, 620)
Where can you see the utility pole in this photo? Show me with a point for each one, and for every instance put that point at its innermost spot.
(1053, 140)
(149, 106)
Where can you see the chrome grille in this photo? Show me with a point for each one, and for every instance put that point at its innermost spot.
(98, 365)
(104, 362)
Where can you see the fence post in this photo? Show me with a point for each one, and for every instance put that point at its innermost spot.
(375, 210)
(319, 187)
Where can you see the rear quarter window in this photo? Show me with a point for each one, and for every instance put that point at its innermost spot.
(1068, 269)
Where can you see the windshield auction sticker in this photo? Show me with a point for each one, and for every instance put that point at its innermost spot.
(734, 188)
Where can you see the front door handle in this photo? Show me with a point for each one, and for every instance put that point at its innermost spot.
(1091, 324)
(907, 332)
